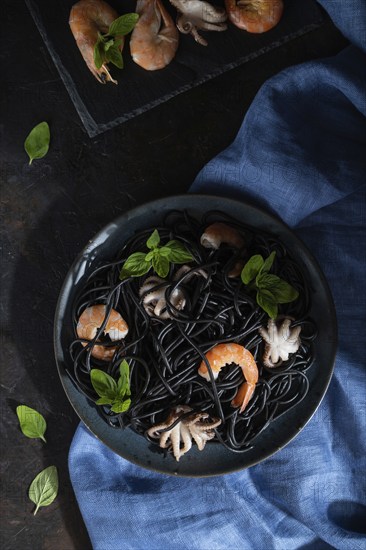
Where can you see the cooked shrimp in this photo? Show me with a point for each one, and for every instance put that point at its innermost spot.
(92, 319)
(225, 354)
(87, 18)
(154, 40)
(254, 16)
(219, 233)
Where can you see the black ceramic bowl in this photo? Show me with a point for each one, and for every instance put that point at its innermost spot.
(215, 459)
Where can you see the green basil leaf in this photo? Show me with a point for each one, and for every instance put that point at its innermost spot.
(103, 384)
(31, 422)
(178, 252)
(160, 265)
(282, 291)
(135, 266)
(165, 251)
(37, 142)
(44, 488)
(114, 55)
(123, 384)
(99, 56)
(154, 239)
(149, 256)
(252, 268)
(123, 24)
(121, 406)
(268, 262)
(109, 44)
(267, 302)
(104, 401)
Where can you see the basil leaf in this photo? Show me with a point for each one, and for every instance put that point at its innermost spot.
(99, 53)
(135, 266)
(44, 488)
(178, 252)
(165, 251)
(252, 268)
(123, 24)
(108, 44)
(149, 256)
(123, 384)
(31, 422)
(103, 384)
(267, 302)
(160, 265)
(104, 401)
(121, 406)
(282, 291)
(268, 262)
(154, 239)
(114, 55)
(37, 142)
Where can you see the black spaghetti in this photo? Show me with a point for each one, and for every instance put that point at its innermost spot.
(164, 352)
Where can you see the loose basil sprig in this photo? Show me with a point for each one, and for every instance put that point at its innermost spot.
(31, 422)
(111, 392)
(271, 290)
(37, 142)
(107, 48)
(44, 488)
(159, 258)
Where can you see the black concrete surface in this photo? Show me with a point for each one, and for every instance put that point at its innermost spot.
(50, 209)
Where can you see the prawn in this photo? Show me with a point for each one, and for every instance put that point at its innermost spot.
(219, 233)
(154, 40)
(92, 319)
(225, 354)
(254, 16)
(87, 18)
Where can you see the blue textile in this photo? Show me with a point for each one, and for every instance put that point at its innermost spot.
(299, 153)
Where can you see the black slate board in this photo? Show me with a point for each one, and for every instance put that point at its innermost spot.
(102, 107)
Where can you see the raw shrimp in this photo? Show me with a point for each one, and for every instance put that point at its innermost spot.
(218, 233)
(92, 319)
(225, 354)
(87, 18)
(254, 16)
(154, 40)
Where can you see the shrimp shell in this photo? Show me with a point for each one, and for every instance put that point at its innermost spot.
(91, 320)
(154, 40)
(225, 354)
(255, 16)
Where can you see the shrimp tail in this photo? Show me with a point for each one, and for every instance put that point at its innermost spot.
(243, 396)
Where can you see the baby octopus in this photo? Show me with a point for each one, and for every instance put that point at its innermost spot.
(280, 341)
(152, 293)
(197, 426)
(194, 15)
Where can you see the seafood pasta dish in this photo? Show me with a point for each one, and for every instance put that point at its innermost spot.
(197, 333)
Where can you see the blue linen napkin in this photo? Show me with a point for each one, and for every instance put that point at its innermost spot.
(299, 154)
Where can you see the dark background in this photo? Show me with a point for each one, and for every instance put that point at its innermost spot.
(49, 211)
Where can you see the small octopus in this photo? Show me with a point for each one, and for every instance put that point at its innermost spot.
(197, 426)
(280, 341)
(153, 292)
(199, 14)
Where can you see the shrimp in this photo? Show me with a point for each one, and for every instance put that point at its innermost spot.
(218, 233)
(254, 16)
(87, 18)
(154, 40)
(92, 319)
(225, 354)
